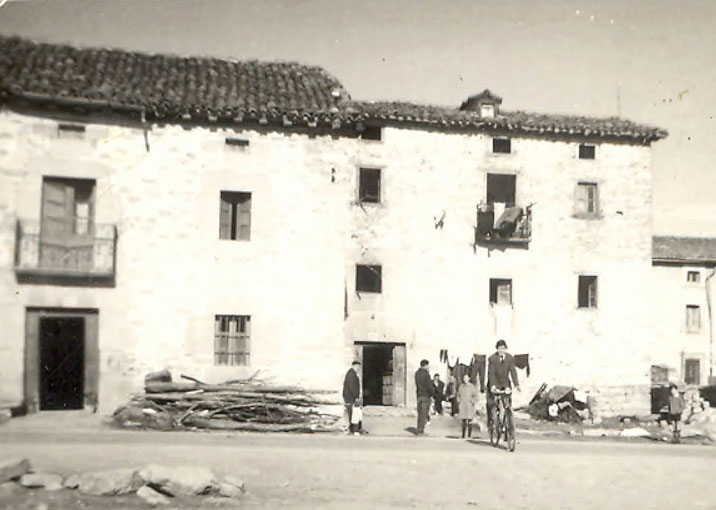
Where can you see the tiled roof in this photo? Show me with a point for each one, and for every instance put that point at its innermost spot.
(175, 88)
(166, 86)
(684, 249)
(518, 122)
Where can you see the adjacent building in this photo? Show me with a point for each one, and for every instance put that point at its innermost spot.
(683, 283)
(221, 218)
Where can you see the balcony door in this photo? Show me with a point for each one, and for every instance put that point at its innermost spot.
(67, 225)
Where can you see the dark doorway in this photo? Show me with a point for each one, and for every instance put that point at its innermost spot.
(62, 363)
(378, 374)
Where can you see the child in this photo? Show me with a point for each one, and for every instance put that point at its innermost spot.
(676, 407)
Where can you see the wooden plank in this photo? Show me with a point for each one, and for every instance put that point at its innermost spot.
(32, 361)
(399, 375)
(91, 359)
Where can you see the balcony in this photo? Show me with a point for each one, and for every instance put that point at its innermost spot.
(512, 227)
(89, 256)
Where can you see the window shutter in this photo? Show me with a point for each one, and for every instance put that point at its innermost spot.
(224, 219)
(57, 209)
(243, 221)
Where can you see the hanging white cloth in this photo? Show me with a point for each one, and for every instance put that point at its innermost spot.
(503, 321)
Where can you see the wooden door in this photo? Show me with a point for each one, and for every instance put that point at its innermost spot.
(399, 375)
(32, 353)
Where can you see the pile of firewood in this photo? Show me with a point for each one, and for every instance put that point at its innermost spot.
(249, 405)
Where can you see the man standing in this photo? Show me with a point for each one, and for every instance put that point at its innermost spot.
(351, 396)
(501, 368)
(439, 394)
(425, 392)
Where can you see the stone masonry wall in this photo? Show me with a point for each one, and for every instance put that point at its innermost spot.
(307, 234)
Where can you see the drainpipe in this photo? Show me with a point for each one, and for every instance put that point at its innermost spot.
(711, 321)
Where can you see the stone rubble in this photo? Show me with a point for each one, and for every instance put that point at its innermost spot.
(13, 469)
(152, 497)
(179, 480)
(109, 482)
(47, 481)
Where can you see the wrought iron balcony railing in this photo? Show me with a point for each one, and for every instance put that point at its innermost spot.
(90, 254)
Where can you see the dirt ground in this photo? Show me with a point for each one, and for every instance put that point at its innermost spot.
(337, 471)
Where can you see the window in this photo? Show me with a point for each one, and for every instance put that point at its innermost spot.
(587, 199)
(487, 111)
(372, 133)
(693, 276)
(70, 130)
(238, 143)
(369, 185)
(587, 293)
(587, 151)
(67, 207)
(501, 145)
(501, 189)
(693, 318)
(235, 215)
(500, 291)
(692, 371)
(369, 278)
(232, 339)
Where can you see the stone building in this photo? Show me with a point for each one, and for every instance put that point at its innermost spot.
(220, 218)
(683, 285)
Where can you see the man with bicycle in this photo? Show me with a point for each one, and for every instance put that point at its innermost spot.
(501, 368)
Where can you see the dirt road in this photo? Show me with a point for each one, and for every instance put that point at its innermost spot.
(295, 471)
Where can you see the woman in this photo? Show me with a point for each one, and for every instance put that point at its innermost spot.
(466, 400)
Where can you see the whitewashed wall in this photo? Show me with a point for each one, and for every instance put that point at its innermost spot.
(307, 233)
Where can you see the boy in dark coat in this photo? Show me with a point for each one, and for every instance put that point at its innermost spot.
(351, 396)
(501, 368)
(676, 407)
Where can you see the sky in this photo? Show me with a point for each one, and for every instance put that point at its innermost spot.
(651, 61)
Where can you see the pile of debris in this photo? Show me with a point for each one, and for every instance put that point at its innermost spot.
(155, 484)
(249, 405)
(564, 404)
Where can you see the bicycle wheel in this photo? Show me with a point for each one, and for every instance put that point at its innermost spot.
(510, 432)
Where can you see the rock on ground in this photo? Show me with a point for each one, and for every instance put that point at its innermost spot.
(8, 489)
(152, 497)
(12, 469)
(179, 480)
(47, 481)
(228, 490)
(111, 482)
(71, 482)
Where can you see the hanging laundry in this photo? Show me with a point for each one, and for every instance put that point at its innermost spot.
(503, 321)
(523, 361)
(443, 355)
(477, 369)
(507, 222)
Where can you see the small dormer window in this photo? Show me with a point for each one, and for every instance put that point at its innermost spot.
(70, 130)
(501, 145)
(487, 110)
(587, 151)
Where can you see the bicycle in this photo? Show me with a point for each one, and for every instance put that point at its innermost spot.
(501, 422)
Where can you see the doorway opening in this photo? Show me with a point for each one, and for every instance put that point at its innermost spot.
(383, 373)
(62, 363)
(61, 359)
